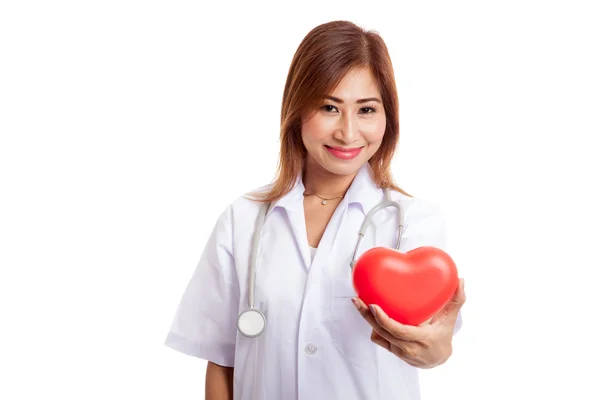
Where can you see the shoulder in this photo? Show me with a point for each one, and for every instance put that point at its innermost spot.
(424, 222)
(243, 209)
(417, 209)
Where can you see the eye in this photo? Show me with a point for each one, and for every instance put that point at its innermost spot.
(328, 107)
(368, 110)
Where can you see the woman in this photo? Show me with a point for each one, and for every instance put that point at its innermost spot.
(339, 131)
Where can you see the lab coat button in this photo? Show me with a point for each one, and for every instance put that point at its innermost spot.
(310, 349)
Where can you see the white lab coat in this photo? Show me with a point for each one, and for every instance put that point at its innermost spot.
(315, 345)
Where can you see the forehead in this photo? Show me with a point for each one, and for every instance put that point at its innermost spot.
(357, 83)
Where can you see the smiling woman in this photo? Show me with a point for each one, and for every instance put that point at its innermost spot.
(349, 126)
(281, 253)
(341, 83)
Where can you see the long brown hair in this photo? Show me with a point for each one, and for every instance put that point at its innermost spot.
(324, 56)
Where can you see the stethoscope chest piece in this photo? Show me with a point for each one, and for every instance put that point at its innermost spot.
(251, 323)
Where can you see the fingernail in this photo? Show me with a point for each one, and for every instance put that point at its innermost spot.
(372, 308)
(356, 303)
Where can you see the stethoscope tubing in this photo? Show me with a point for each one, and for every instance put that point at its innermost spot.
(260, 220)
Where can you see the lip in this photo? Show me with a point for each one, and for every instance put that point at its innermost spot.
(344, 153)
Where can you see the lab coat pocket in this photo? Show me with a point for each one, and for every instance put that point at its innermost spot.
(350, 332)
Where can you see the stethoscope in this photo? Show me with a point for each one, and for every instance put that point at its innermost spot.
(251, 322)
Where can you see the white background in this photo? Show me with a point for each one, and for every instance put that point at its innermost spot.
(127, 127)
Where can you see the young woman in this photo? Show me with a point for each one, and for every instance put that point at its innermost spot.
(339, 131)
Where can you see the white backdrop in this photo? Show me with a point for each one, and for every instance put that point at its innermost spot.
(127, 126)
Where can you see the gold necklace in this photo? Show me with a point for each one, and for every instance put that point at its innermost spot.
(324, 200)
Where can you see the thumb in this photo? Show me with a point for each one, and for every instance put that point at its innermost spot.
(459, 297)
(453, 306)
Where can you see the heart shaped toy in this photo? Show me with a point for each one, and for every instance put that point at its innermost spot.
(410, 287)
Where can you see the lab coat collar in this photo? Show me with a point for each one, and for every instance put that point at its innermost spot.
(363, 191)
(291, 199)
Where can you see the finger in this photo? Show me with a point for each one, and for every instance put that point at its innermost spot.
(363, 309)
(397, 329)
(406, 350)
(407, 354)
(370, 318)
(377, 339)
(402, 355)
(367, 314)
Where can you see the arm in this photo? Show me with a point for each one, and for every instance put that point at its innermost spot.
(219, 382)
(429, 344)
(204, 325)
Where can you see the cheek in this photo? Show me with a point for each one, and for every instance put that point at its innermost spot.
(314, 129)
(376, 129)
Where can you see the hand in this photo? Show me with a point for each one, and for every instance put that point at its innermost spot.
(424, 346)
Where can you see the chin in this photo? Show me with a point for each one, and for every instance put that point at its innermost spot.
(343, 168)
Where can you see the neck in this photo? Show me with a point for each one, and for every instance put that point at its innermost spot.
(323, 183)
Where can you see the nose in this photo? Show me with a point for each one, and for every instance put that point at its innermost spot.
(347, 129)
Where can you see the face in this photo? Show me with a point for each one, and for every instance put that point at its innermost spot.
(348, 127)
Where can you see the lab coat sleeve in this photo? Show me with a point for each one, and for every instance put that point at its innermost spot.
(204, 325)
(426, 225)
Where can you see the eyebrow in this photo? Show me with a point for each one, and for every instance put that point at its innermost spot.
(359, 101)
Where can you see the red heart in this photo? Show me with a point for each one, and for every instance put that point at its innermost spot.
(410, 287)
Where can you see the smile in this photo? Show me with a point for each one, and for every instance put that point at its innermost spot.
(344, 153)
